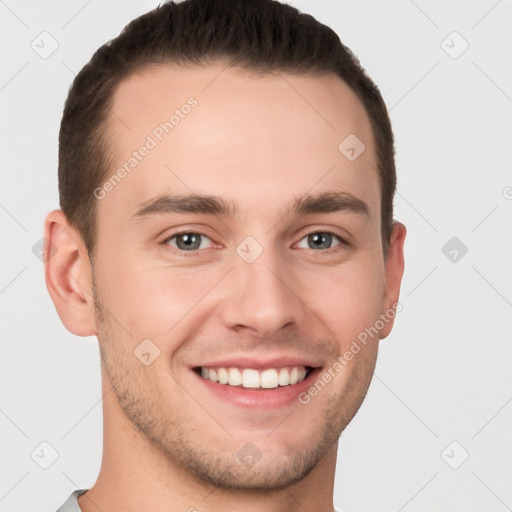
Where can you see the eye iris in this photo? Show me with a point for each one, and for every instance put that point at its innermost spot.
(187, 241)
(320, 240)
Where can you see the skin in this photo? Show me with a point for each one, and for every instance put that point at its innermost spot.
(259, 141)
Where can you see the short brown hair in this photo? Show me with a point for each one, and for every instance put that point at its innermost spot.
(264, 35)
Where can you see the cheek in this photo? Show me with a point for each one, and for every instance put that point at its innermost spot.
(151, 299)
(350, 299)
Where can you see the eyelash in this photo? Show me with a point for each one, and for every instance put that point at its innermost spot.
(196, 252)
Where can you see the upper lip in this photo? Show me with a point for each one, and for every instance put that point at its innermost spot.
(259, 363)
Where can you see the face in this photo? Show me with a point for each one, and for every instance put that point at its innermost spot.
(239, 257)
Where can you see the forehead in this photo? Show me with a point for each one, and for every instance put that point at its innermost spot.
(249, 137)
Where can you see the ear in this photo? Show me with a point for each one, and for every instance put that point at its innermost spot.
(68, 274)
(394, 270)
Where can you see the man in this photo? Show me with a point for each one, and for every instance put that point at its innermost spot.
(226, 178)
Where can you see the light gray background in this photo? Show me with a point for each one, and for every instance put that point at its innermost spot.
(444, 373)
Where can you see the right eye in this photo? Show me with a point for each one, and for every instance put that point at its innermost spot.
(187, 241)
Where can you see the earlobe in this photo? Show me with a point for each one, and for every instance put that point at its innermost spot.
(68, 275)
(394, 270)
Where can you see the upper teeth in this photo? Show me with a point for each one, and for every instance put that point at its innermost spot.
(250, 378)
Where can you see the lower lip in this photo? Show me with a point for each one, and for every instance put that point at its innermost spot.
(272, 398)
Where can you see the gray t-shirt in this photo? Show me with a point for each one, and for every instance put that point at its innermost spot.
(71, 504)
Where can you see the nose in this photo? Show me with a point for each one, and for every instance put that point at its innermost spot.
(260, 297)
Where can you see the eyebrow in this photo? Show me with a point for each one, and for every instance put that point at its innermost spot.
(326, 202)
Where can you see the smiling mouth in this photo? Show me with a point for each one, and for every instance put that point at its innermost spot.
(250, 378)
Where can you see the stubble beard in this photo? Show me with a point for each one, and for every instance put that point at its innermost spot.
(172, 437)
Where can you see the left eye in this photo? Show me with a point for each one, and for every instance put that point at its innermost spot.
(320, 240)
